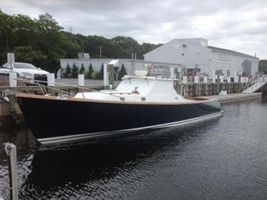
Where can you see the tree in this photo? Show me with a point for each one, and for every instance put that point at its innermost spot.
(74, 71)
(67, 73)
(122, 72)
(27, 54)
(90, 72)
(7, 24)
(101, 72)
(49, 39)
(96, 75)
(82, 70)
(48, 24)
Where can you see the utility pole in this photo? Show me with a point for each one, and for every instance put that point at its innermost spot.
(100, 51)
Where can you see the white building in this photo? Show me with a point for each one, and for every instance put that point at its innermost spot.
(195, 53)
(130, 64)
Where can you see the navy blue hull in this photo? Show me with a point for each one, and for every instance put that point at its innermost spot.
(49, 118)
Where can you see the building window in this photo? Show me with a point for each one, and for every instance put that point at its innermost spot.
(219, 72)
(228, 72)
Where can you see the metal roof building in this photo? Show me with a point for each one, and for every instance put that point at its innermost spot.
(195, 53)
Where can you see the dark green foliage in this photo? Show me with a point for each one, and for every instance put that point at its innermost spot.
(122, 72)
(31, 56)
(101, 72)
(38, 41)
(118, 47)
(98, 76)
(263, 66)
(82, 70)
(90, 71)
(67, 73)
(42, 42)
(74, 71)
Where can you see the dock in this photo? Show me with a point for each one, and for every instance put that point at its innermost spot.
(237, 97)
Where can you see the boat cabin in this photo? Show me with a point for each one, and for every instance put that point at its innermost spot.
(139, 88)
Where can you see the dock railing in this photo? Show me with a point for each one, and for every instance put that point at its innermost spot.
(60, 90)
(260, 82)
(47, 89)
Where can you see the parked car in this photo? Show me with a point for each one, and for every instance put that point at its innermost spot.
(25, 71)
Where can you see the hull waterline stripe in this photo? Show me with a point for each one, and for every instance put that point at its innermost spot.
(68, 138)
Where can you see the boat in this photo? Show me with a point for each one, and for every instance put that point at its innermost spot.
(139, 102)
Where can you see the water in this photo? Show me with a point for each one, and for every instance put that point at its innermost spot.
(221, 159)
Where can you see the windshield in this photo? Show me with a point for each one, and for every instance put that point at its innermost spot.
(24, 66)
(160, 71)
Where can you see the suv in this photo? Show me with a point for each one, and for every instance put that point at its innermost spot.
(25, 71)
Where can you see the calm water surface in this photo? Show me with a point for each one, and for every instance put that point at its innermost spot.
(221, 159)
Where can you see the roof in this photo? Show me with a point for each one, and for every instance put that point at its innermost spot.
(188, 40)
(210, 47)
(113, 62)
(232, 52)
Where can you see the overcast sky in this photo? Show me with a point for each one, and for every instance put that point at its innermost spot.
(239, 25)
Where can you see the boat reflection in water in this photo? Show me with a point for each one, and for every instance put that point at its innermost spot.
(57, 171)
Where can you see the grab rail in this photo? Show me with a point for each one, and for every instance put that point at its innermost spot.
(43, 88)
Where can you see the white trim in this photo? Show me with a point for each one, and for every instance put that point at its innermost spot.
(69, 138)
(54, 98)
